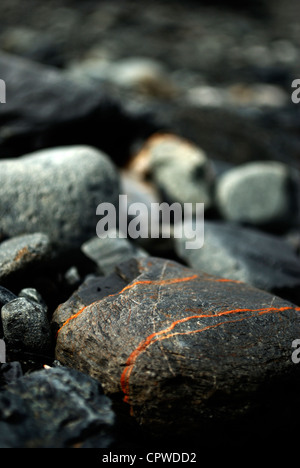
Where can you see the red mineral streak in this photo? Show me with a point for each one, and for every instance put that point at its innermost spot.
(155, 337)
(153, 282)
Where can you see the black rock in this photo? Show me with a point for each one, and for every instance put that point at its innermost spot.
(9, 372)
(187, 350)
(55, 408)
(26, 326)
(6, 296)
(44, 108)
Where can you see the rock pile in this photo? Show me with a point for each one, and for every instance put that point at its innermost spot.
(131, 342)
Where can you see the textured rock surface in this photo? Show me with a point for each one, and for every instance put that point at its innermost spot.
(66, 186)
(22, 252)
(238, 253)
(183, 347)
(55, 408)
(26, 326)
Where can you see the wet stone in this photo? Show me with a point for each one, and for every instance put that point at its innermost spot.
(183, 348)
(55, 408)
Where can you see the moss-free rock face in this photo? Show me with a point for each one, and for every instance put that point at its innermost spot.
(56, 192)
(184, 348)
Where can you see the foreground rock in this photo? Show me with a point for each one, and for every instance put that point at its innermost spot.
(66, 186)
(244, 254)
(185, 349)
(57, 408)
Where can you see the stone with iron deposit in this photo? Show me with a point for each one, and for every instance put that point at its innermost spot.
(185, 349)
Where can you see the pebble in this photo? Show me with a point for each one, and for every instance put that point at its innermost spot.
(66, 186)
(245, 254)
(257, 193)
(22, 252)
(58, 408)
(180, 170)
(26, 326)
(109, 252)
(182, 347)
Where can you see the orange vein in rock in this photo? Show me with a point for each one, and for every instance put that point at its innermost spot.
(129, 286)
(155, 337)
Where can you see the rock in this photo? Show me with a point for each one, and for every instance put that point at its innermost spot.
(185, 349)
(46, 109)
(66, 186)
(257, 193)
(33, 295)
(22, 252)
(6, 296)
(180, 169)
(93, 289)
(139, 74)
(34, 45)
(26, 326)
(109, 252)
(9, 372)
(55, 408)
(245, 254)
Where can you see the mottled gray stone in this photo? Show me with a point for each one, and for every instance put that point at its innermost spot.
(56, 192)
